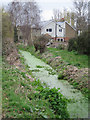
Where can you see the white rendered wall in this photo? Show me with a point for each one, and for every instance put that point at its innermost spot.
(49, 26)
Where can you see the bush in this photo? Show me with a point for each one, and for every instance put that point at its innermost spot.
(80, 44)
(57, 101)
(61, 47)
(72, 45)
(40, 43)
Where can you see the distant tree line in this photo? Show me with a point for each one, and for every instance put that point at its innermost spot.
(78, 16)
(24, 14)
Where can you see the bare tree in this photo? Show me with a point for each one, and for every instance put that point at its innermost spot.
(26, 15)
(14, 11)
(66, 14)
(80, 10)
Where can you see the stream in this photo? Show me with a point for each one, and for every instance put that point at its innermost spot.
(78, 108)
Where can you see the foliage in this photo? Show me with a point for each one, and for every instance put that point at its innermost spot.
(8, 45)
(24, 98)
(61, 76)
(61, 47)
(40, 43)
(7, 28)
(57, 102)
(71, 57)
(15, 35)
(68, 58)
(80, 44)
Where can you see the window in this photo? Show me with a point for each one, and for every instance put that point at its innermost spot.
(47, 30)
(61, 40)
(58, 39)
(50, 30)
(60, 30)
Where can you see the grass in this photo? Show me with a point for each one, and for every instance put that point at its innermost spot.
(61, 76)
(38, 66)
(24, 98)
(80, 61)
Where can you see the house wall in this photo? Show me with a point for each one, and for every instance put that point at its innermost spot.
(69, 32)
(50, 25)
(61, 34)
(54, 27)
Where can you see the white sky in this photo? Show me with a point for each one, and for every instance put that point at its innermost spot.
(47, 6)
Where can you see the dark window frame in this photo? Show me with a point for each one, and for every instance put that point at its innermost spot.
(47, 30)
(50, 29)
(60, 30)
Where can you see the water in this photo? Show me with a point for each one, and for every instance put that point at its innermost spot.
(78, 108)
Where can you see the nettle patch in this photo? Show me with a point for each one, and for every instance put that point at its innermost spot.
(58, 103)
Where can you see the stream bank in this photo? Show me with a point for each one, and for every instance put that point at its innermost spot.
(69, 65)
(78, 107)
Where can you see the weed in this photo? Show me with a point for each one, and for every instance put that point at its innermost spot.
(75, 84)
(51, 71)
(61, 76)
(71, 57)
(71, 79)
(38, 66)
(35, 70)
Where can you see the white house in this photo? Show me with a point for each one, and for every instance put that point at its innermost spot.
(60, 31)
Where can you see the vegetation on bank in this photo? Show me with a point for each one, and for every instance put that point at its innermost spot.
(25, 97)
(80, 44)
(71, 58)
(79, 61)
(40, 43)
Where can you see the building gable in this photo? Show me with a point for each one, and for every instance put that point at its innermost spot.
(58, 30)
(70, 32)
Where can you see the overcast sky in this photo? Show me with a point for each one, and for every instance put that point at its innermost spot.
(47, 6)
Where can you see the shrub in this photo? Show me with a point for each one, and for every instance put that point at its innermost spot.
(57, 101)
(40, 43)
(80, 44)
(61, 47)
(72, 44)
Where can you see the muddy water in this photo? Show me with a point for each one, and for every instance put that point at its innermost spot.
(78, 108)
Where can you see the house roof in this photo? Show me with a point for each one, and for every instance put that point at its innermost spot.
(44, 23)
(70, 25)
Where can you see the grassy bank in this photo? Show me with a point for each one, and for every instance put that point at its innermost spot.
(25, 97)
(72, 58)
